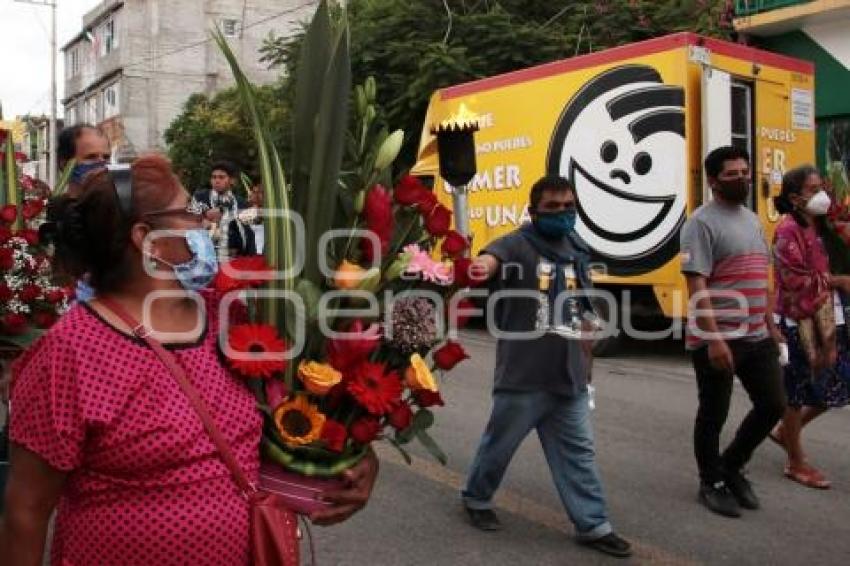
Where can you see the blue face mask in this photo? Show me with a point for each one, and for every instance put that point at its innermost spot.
(199, 271)
(81, 169)
(556, 224)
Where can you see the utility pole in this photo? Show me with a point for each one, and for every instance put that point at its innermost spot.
(51, 143)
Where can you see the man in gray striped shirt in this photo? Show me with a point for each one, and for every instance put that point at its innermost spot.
(725, 259)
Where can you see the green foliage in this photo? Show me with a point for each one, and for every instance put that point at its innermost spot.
(216, 128)
(413, 48)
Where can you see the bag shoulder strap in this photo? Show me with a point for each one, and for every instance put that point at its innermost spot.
(189, 390)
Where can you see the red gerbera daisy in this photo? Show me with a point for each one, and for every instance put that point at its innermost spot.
(375, 388)
(242, 273)
(258, 350)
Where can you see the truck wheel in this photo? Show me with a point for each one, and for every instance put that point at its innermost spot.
(609, 346)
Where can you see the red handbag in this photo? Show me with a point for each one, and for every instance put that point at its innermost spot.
(274, 526)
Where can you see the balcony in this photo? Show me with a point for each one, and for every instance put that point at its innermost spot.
(774, 17)
(751, 7)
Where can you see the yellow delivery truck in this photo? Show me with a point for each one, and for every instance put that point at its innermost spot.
(629, 126)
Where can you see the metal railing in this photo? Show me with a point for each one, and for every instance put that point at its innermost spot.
(751, 7)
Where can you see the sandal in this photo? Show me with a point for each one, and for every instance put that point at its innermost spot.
(809, 477)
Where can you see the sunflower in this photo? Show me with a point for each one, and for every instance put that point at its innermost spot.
(298, 421)
(257, 350)
(375, 388)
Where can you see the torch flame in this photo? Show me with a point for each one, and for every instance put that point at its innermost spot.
(464, 117)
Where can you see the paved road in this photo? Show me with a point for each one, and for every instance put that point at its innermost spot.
(645, 408)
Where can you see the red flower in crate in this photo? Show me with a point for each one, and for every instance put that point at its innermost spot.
(5, 234)
(7, 259)
(13, 323)
(32, 208)
(29, 293)
(5, 293)
(374, 388)
(258, 350)
(9, 213)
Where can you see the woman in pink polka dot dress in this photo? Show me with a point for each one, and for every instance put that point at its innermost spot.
(100, 429)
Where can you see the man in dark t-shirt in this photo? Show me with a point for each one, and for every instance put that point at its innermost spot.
(542, 368)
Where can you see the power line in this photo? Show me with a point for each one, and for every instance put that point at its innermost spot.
(188, 46)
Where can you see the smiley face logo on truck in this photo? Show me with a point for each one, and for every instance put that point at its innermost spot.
(621, 141)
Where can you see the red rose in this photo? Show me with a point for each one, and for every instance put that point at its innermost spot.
(31, 236)
(454, 244)
(438, 221)
(29, 293)
(427, 203)
(425, 398)
(401, 417)
(7, 259)
(365, 429)
(5, 234)
(378, 213)
(9, 213)
(409, 191)
(449, 355)
(14, 323)
(5, 293)
(460, 272)
(460, 314)
(44, 319)
(32, 208)
(54, 296)
(334, 435)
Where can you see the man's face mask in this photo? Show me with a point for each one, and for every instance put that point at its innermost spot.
(196, 273)
(734, 190)
(81, 169)
(555, 224)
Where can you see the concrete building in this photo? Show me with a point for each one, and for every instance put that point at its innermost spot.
(816, 30)
(135, 62)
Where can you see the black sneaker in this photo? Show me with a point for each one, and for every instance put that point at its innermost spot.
(742, 490)
(484, 519)
(717, 497)
(611, 544)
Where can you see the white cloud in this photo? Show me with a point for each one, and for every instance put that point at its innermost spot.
(25, 53)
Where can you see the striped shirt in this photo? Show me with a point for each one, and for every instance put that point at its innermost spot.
(726, 245)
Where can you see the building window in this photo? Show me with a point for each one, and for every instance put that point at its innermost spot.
(106, 38)
(72, 62)
(230, 27)
(70, 115)
(93, 110)
(111, 100)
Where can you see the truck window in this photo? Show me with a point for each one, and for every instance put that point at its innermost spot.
(742, 127)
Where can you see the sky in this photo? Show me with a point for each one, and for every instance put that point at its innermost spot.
(25, 53)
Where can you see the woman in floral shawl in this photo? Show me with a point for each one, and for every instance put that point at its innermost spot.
(811, 317)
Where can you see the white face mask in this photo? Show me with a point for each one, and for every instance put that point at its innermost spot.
(819, 204)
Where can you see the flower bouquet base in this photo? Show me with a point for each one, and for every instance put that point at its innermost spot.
(300, 493)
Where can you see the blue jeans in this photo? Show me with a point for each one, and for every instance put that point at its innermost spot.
(563, 425)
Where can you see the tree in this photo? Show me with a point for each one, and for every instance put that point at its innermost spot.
(216, 128)
(414, 47)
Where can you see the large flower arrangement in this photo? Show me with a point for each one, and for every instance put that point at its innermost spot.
(354, 379)
(29, 300)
